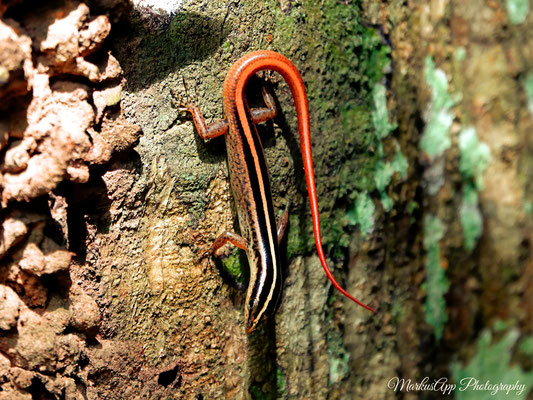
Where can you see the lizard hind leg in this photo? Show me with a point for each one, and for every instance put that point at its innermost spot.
(231, 266)
(231, 237)
(262, 114)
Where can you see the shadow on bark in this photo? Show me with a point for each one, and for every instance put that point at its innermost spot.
(152, 54)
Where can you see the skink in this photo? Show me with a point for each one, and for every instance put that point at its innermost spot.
(250, 181)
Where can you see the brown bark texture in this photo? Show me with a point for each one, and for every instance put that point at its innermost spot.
(421, 119)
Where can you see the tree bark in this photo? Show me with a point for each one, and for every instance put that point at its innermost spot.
(420, 120)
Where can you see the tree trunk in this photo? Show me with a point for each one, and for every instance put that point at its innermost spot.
(420, 120)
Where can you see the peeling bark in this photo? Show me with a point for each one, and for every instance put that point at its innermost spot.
(421, 113)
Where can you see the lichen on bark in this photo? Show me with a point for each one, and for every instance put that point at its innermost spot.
(105, 256)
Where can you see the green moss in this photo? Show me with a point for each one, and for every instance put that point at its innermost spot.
(517, 10)
(386, 202)
(436, 138)
(492, 364)
(297, 237)
(382, 175)
(460, 53)
(412, 206)
(399, 163)
(355, 53)
(337, 237)
(526, 346)
(234, 263)
(353, 119)
(362, 213)
(354, 60)
(475, 157)
(528, 86)
(500, 325)
(348, 109)
(375, 58)
(281, 383)
(384, 170)
(380, 114)
(471, 218)
(258, 392)
(338, 368)
(436, 284)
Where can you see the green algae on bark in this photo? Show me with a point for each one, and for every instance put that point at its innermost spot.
(492, 363)
(348, 101)
(436, 138)
(436, 284)
(517, 10)
(474, 159)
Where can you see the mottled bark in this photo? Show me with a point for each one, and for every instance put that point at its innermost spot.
(421, 114)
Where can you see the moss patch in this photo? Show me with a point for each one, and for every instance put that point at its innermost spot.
(281, 383)
(349, 116)
(517, 10)
(339, 367)
(399, 162)
(299, 239)
(439, 117)
(233, 265)
(436, 284)
(362, 213)
(260, 392)
(474, 159)
(384, 170)
(380, 114)
(460, 54)
(470, 216)
(491, 364)
(526, 346)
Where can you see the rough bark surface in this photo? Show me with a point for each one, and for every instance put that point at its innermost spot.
(421, 120)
